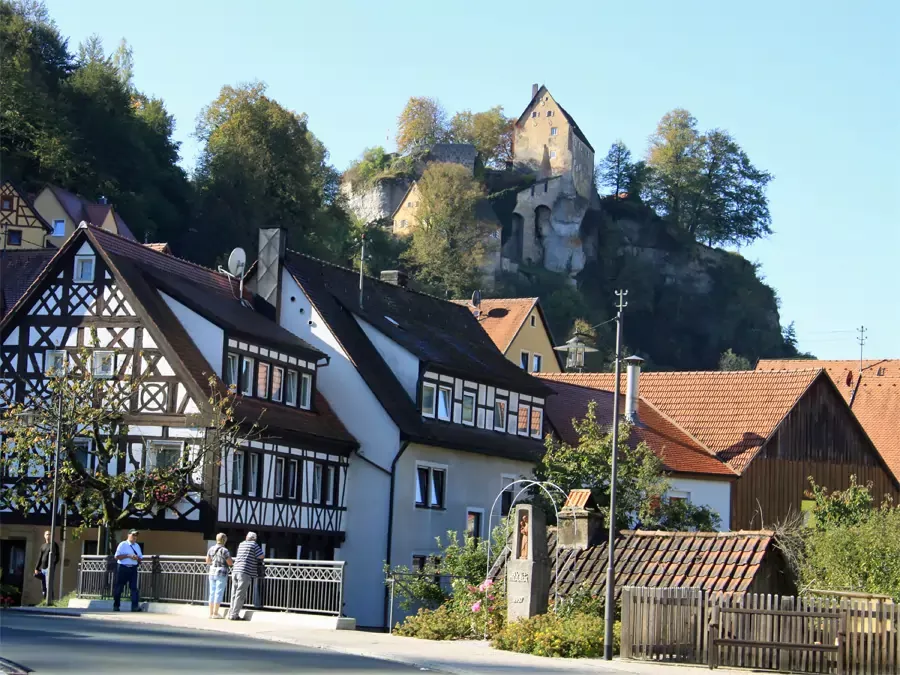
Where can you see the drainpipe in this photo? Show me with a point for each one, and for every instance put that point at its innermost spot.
(390, 531)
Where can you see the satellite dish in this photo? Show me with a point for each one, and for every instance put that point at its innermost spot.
(476, 299)
(237, 261)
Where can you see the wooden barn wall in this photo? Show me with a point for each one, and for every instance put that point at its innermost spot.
(819, 438)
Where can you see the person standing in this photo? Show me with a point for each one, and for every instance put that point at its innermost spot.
(219, 560)
(43, 565)
(128, 557)
(245, 570)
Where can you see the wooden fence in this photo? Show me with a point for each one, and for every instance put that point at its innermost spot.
(841, 635)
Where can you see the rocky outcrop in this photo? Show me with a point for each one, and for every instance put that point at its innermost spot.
(375, 202)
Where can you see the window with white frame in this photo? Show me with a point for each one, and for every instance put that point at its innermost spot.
(317, 484)
(524, 419)
(535, 113)
(253, 474)
(499, 414)
(103, 364)
(550, 113)
(59, 228)
(84, 269)
(277, 384)
(292, 479)
(247, 376)
(554, 131)
(279, 476)
(429, 391)
(523, 360)
(290, 388)
(55, 362)
(679, 495)
(237, 472)
(553, 154)
(305, 390)
(468, 408)
(445, 402)
(431, 484)
(536, 362)
(537, 422)
(85, 455)
(262, 380)
(164, 455)
(231, 370)
(330, 485)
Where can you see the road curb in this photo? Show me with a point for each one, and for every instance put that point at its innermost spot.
(44, 611)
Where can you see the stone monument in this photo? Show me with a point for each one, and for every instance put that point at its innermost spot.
(528, 567)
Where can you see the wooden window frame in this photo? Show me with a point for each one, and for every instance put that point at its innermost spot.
(153, 447)
(277, 395)
(279, 484)
(293, 474)
(442, 388)
(318, 483)
(290, 392)
(527, 430)
(468, 395)
(12, 203)
(305, 401)
(76, 278)
(18, 234)
(238, 458)
(536, 433)
(500, 424)
(233, 375)
(432, 413)
(251, 376)
(97, 357)
(253, 485)
(259, 371)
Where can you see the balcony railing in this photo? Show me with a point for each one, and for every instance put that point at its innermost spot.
(308, 586)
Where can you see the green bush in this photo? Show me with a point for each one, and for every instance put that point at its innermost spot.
(472, 612)
(446, 622)
(575, 636)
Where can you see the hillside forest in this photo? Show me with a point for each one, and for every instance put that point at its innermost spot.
(73, 117)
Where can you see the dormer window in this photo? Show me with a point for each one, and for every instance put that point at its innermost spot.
(429, 392)
(537, 422)
(247, 376)
(290, 390)
(231, 370)
(84, 269)
(524, 419)
(445, 403)
(262, 380)
(468, 409)
(305, 390)
(499, 415)
(277, 384)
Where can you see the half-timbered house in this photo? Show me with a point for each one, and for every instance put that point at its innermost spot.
(21, 226)
(445, 422)
(175, 325)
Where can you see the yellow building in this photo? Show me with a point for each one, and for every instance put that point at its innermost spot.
(519, 329)
(21, 225)
(65, 211)
(404, 216)
(547, 140)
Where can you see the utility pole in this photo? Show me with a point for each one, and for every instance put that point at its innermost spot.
(55, 501)
(362, 262)
(862, 340)
(610, 608)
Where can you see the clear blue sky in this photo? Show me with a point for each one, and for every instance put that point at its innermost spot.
(810, 89)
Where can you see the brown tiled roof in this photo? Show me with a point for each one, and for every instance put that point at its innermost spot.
(78, 208)
(678, 450)
(874, 397)
(711, 561)
(502, 318)
(730, 412)
(18, 269)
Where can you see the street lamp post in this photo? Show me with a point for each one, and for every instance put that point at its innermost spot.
(54, 500)
(575, 349)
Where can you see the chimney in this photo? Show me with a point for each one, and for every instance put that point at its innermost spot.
(631, 387)
(534, 90)
(395, 277)
(269, 263)
(580, 524)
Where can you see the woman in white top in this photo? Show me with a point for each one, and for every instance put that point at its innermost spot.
(219, 560)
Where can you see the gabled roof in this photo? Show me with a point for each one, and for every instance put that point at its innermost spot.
(874, 397)
(728, 562)
(439, 333)
(18, 269)
(403, 200)
(78, 209)
(29, 202)
(732, 413)
(679, 451)
(147, 274)
(571, 120)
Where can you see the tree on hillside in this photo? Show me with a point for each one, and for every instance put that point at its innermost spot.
(731, 361)
(614, 171)
(422, 122)
(261, 166)
(641, 479)
(491, 132)
(449, 242)
(705, 183)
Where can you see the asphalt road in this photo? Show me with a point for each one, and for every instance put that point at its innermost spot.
(54, 644)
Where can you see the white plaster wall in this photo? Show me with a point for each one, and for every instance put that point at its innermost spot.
(401, 361)
(368, 488)
(209, 338)
(715, 494)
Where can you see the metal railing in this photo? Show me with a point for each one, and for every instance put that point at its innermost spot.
(309, 586)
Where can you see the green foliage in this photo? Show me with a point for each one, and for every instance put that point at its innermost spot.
(641, 478)
(450, 243)
(705, 183)
(615, 170)
(446, 622)
(422, 122)
(554, 635)
(491, 132)
(60, 602)
(841, 508)
(583, 600)
(731, 361)
(377, 164)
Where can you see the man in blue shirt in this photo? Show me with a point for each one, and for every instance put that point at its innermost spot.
(128, 557)
(243, 572)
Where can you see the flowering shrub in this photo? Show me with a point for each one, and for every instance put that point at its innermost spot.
(575, 636)
(472, 612)
(9, 595)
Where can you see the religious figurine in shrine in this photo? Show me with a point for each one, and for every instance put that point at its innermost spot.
(523, 534)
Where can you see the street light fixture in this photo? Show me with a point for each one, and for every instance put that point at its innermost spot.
(575, 349)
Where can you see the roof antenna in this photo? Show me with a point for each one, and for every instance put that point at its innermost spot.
(362, 260)
(862, 340)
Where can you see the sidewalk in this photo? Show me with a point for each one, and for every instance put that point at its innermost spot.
(466, 657)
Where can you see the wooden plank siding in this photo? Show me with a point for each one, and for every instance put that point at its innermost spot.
(821, 438)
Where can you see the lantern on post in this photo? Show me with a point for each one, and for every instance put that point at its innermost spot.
(575, 349)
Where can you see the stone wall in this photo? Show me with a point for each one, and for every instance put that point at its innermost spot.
(378, 201)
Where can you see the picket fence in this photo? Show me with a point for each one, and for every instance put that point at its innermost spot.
(807, 634)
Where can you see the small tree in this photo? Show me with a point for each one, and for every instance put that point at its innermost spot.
(94, 440)
(641, 479)
(450, 242)
(422, 122)
(731, 361)
(491, 132)
(615, 169)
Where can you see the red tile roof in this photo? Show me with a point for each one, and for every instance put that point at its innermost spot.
(502, 318)
(18, 269)
(874, 397)
(679, 451)
(731, 413)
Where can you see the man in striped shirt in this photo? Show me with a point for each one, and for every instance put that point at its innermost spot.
(244, 571)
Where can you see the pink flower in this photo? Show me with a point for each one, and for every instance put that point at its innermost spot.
(486, 584)
(477, 606)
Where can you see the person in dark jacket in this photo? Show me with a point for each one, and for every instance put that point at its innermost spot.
(43, 563)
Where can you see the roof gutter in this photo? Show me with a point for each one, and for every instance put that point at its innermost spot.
(390, 528)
